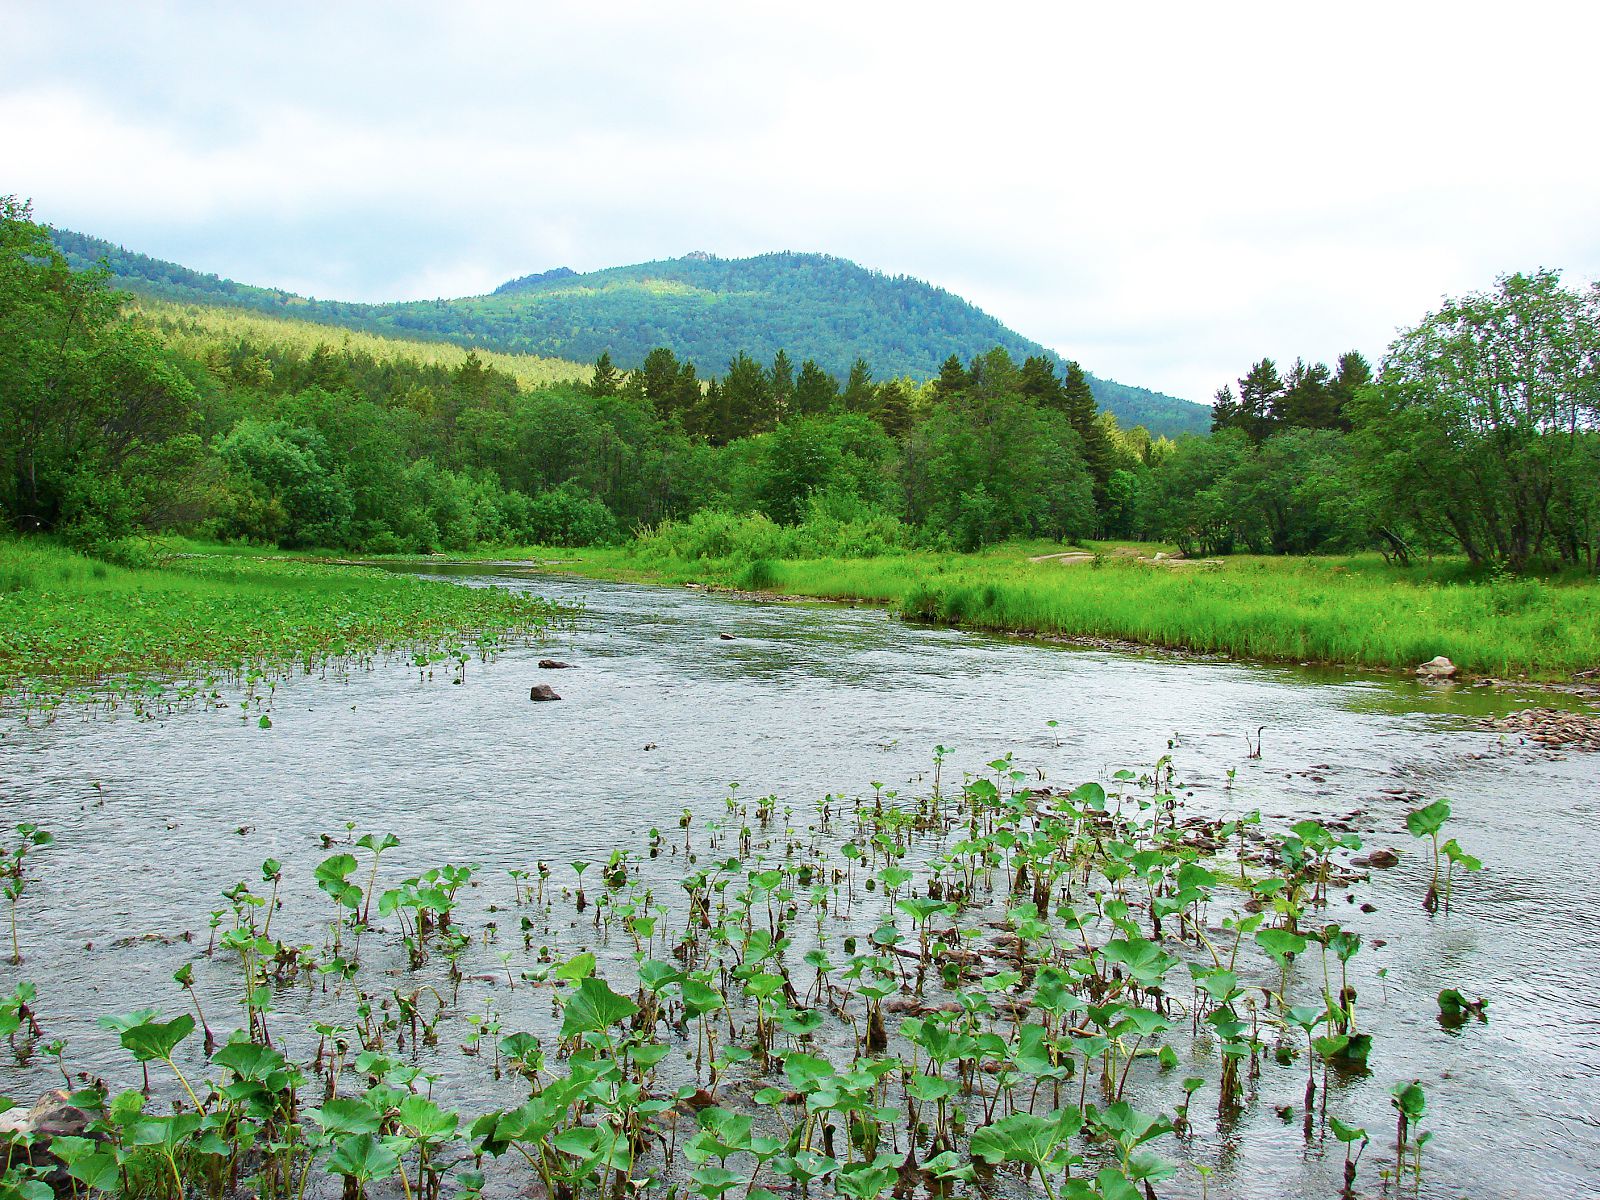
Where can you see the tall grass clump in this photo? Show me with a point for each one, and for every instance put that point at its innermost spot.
(1276, 609)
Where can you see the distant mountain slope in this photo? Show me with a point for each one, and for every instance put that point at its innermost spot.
(706, 309)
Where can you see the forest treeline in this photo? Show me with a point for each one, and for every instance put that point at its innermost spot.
(708, 309)
(1478, 435)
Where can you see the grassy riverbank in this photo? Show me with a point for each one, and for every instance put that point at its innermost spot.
(68, 621)
(1354, 610)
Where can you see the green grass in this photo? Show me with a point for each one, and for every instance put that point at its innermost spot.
(1356, 610)
(71, 622)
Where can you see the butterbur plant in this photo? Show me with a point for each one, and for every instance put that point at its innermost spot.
(377, 844)
(1426, 822)
(1456, 857)
(13, 870)
(1409, 1103)
(1355, 1140)
(974, 964)
(1455, 1008)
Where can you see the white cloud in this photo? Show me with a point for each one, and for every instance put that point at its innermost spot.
(1165, 192)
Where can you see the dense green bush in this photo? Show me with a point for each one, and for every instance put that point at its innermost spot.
(718, 534)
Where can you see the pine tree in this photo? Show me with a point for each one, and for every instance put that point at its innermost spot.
(746, 400)
(953, 379)
(815, 391)
(1040, 384)
(1307, 401)
(893, 409)
(1224, 409)
(605, 381)
(658, 376)
(780, 380)
(993, 374)
(1260, 393)
(1079, 404)
(713, 421)
(858, 389)
(1353, 372)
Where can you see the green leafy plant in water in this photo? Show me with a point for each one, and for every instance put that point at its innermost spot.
(150, 1040)
(1456, 857)
(1427, 822)
(13, 870)
(377, 844)
(1039, 1143)
(1455, 1009)
(1409, 1103)
(1349, 1136)
(333, 878)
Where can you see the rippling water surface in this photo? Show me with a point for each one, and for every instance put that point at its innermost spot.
(154, 818)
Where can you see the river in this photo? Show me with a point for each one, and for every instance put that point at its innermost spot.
(154, 817)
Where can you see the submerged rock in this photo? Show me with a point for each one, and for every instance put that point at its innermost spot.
(29, 1131)
(1378, 858)
(1438, 668)
(542, 691)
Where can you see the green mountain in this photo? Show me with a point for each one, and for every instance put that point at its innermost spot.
(706, 309)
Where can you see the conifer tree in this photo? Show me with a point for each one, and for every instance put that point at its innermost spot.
(1307, 401)
(1260, 393)
(780, 381)
(893, 409)
(953, 379)
(605, 380)
(815, 391)
(746, 400)
(858, 389)
(1078, 401)
(1040, 384)
(1352, 372)
(1224, 409)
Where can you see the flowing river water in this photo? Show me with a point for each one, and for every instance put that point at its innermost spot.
(153, 818)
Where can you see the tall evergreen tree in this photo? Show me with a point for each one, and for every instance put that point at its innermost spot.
(1077, 400)
(780, 380)
(658, 377)
(1040, 384)
(1259, 395)
(713, 420)
(605, 380)
(858, 390)
(1224, 409)
(746, 400)
(1307, 401)
(1353, 372)
(993, 373)
(893, 409)
(815, 391)
(953, 379)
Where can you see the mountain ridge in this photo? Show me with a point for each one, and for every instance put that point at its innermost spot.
(705, 308)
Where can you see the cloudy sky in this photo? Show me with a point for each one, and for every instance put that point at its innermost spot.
(1165, 192)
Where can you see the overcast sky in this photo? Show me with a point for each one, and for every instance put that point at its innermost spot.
(1164, 192)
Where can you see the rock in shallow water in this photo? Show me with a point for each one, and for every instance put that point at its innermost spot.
(1378, 858)
(542, 691)
(51, 1117)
